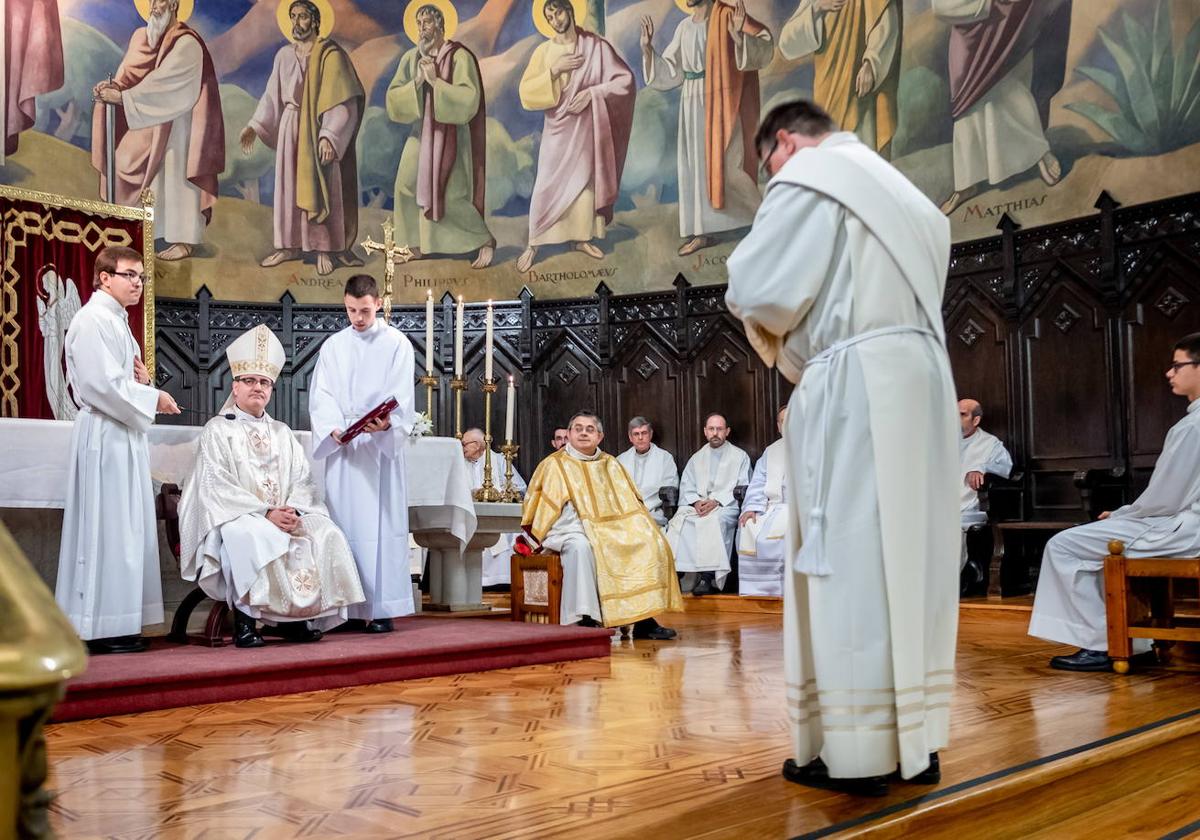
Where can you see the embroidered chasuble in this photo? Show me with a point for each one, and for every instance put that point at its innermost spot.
(635, 572)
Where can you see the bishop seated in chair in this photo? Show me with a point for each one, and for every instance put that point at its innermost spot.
(617, 566)
(253, 531)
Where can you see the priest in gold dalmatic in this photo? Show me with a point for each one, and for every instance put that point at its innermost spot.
(617, 566)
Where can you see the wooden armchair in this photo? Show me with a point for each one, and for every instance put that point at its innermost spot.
(166, 508)
(537, 587)
(1140, 599)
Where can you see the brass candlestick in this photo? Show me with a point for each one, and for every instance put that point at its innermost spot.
(487, 491)
(430, 382)
(458, 384)
(509, 493)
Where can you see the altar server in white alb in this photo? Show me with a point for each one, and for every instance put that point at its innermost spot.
(108, 576)
(253, 531)
(839, 285)
(650, 467)
(1164, 521)
(762, 527)
(981, 454)
(701, 531)
(497, 558)
(358, 369)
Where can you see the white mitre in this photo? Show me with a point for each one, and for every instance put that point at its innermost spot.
(256, 352)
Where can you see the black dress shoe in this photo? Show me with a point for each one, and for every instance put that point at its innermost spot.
(379, 625)
(588, 621)
(704, 587)
(1083, 660)
(816, 775)
(931, 775)
(648, 628)
(245, 635)
(117, 644)
(294, 631)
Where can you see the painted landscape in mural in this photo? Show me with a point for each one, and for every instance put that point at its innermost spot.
(559, 144)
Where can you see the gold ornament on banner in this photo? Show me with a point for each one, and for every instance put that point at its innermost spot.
(543, 25)
(284, 19)
(444, 6)
(185, 9)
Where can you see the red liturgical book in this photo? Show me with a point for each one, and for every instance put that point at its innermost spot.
(382, 410)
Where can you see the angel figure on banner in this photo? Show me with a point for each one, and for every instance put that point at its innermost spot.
(57, 304)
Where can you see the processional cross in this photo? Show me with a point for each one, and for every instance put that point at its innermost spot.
(392, 254)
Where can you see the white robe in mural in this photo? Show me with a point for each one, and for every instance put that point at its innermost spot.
(762, 542)
(244, 468)
(108, 578)
(364, 479)
(703, 543)
(650, 473)
(1163, 522)
(840, 284)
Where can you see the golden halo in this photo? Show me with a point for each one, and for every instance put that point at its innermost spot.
(185, 9)
(285, 21)
(683, 7)
(543, 25)
(444, 6)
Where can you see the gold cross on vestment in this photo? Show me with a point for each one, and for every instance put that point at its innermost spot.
(392, 254)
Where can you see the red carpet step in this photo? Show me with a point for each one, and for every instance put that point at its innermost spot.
(170, 675)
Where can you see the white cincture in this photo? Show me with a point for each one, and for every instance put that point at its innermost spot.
(811, 559)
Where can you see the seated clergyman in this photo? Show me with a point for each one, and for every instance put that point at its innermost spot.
(253, 531)
(763, 526)
(617, 566)
(497, 558)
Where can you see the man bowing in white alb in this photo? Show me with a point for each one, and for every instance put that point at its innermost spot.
(253, 532)
(762, 527)
(1163, 522)
(840, 285)
(497, 558)
(701, 531)
(358, 369)
(108, 578)
(981, 453)
(651, 468)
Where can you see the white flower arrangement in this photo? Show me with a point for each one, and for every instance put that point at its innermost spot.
(422, 425)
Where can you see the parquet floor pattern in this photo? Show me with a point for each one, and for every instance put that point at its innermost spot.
(665, 740)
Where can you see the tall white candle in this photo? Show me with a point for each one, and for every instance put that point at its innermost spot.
(458, 340)
(429, 332)
(508, 411)
(487, 345)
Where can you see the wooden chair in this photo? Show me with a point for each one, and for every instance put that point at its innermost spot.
(1099, 489)
(166, 507)
(1153, 597)
(537, 587)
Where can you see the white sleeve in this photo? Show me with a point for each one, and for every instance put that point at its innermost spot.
(756, 493)
(168, 91)
(324, 412)
(688, 492)
(804, 33)
(1175, 483)
(882, 43)
(100, 380)
(663, 72)
(962, 11)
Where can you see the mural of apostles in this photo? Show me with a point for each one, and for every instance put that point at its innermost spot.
(586, 93)
(310, 115)
(714, 55)
(440, 184)
(169, 130)
(855, 49)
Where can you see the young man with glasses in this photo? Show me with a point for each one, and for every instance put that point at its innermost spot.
(1163, 522)
(108, 577)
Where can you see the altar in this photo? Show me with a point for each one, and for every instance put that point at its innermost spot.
(441, 511)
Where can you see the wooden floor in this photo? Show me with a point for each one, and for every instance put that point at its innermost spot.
(666, 740)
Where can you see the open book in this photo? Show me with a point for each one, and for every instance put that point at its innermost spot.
(382, 410)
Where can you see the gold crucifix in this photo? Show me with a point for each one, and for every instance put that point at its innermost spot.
(392, 254)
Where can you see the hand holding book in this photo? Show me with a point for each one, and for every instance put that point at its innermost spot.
(378, 413)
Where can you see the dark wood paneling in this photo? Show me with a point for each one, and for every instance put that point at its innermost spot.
(1062, 332)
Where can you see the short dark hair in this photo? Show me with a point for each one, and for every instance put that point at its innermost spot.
(313, 10)
(109, 256)
(565, 5)
(713, 414)
(361, 285)
(1190, 344)
(802, 117)
(584, 412)
(430, 9)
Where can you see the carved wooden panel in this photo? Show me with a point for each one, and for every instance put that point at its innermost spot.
(727, 377)
(979, 343)
(647, 380)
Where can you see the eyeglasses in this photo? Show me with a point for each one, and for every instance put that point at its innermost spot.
(130, 275)
(1175, 366)
(265, 384)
